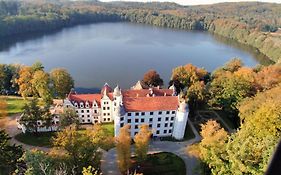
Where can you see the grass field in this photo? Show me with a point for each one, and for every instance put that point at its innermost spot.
(110, 128)
(15, 105)
(43, 139)
(160, 164)
(188, 134)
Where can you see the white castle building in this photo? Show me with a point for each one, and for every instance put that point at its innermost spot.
(161, 109)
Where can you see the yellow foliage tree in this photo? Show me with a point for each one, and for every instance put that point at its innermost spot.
(141, 142)
(123, 146)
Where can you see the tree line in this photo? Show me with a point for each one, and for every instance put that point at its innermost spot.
(34, 81)
(252, 23)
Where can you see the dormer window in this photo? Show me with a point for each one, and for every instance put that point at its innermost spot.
(81, 105)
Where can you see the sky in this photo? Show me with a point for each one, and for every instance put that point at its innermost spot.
(196, 2)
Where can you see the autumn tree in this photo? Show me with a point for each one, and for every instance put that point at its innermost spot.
(79, 147)
(123, 147)
(68, 117)
(24, 82)
(41, 84)
(141, 142)
(152, 79)
(62, 82)
(9, 154)
(189, 74)
(100, 137)
(249, 150)
(196, 94)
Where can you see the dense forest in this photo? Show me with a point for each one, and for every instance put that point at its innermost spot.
(253, 23)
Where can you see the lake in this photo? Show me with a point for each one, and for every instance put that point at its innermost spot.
(120, 53)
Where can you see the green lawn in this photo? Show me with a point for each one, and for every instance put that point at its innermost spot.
(109, 127)
(188, 134)
(15, 105)
(43, 139)
(160, 164)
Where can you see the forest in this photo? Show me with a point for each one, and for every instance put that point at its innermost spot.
(252, 23)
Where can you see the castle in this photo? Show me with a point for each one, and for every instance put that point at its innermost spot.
(161, 109)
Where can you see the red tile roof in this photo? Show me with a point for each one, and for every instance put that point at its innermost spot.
(136, 100)
(144, 92)
(85, 97)
(157, 103)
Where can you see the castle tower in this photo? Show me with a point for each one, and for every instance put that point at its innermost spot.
(117, 114)
(117, 95)
(180, 120)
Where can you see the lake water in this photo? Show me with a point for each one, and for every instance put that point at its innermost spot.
(120, 53)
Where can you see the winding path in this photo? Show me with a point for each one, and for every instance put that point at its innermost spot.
(109, 165)
(10, 126)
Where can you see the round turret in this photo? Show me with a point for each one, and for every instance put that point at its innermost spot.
(117, 91)
(182, 106)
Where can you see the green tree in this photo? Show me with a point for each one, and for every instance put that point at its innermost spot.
(31, 116)
(62, 82)
(9, 154)
(123, 147)
(141, 142)
(68, 117)
(152, 79)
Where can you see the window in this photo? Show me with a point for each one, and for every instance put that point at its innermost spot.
(89, 120)
(104, 119)
(137, 114)
(121, 118)
(136, 120)
(142, 120)
(171, 124)
(88, 116)
(167, 118)
(151, 119)
(129, 114)
(129, 121)
(170, 131)
(158, 125)
(143, 113)
(88, 111)
(160, 112)
(150, 125)
(157, 132)
(108, 119)
(104, 114)
(173, 112)
(103, 108)
(82, 115)
(166, 124)
(159, 119)
(108, 114)
(172, 118)
(82, 111)
(104, 103)
(136, 126)
(167, 112)
(165, 131)
(121, 125)
(108, 108)
(95, 111)
(151, 113)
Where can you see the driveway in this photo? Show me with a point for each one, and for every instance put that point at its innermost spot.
(10, 126)
(109, 164)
